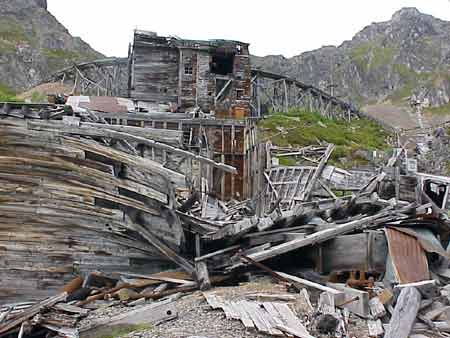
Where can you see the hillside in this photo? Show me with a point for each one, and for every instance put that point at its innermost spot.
(300, 128)
(385, 62)
(33, 44)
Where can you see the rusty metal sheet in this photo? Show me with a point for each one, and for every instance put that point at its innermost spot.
(408, 257)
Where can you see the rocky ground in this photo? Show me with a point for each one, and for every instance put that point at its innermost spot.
(196, 319)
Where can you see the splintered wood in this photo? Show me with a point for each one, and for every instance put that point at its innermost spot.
(76, 197)
(272, 318)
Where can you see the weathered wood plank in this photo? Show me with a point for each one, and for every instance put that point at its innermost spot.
(405, 313)
(318, 237)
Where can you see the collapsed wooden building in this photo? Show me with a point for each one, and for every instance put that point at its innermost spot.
(212, 75)
(76, 192)
(173, 176)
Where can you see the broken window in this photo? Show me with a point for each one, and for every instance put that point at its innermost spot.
(222, 63)
(222, 88)
(239, 94)
(437, 192)
(188, 69)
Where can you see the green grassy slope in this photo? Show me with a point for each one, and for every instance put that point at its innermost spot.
(303, 128)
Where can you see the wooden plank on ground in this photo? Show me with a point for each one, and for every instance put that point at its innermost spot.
(149, 314)
(357, 301)
(290, 320)
(405, 313)
(216, 302)
(245, 318)
(260, 318)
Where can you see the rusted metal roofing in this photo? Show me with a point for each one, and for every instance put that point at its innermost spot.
(408, 257)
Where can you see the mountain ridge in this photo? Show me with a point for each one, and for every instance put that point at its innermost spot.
(33, 44)
(393, 61)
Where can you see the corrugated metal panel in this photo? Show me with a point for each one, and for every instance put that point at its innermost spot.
(408, 258)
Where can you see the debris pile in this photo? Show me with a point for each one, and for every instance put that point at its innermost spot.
(97, 305)
(89, 195)
(77, 195)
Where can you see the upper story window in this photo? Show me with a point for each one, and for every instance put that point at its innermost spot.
(222, 63)
(188, 69)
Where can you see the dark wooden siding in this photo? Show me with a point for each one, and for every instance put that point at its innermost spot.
(155, 74)
(205, 82)
(188, 82)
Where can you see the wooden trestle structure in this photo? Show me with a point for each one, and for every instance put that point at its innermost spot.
(105, 77)
(277, 93)
(270, 92)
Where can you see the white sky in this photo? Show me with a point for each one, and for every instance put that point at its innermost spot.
(286, 27)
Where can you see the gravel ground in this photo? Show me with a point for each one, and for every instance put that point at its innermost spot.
(197, 320)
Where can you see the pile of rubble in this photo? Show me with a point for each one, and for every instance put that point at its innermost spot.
(93, 189)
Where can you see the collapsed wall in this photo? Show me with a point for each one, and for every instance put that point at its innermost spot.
(71, 204)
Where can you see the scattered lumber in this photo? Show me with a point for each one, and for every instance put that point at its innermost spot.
(87, 195)
(150, 314)
(267, 317)
(321, 236)
(31, 312)
(377, 309)
(356, 301)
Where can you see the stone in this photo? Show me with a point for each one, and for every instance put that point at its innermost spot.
(126, 294)
(327, 324)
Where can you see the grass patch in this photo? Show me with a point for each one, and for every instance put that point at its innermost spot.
(287, 161)
(441, 110)
(60, 58)
(7, 94)
(382, 56)
(61, 54)
(37, 97)
(411, 80)
(369, 56)
(123, 330)
(12, 31)
(302, 128)
(360, 54)
(12, 34)
(340, 193)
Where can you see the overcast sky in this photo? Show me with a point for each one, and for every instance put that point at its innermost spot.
(286, 27)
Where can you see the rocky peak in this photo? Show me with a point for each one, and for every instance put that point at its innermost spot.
(406, 13)
(393, 61)
(34, 44)
(41, 3)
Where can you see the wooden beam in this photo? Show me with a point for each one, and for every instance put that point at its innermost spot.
(164, 249)
(109, 133)
(318, 172)
(405, 313)
(310, 284)
(319, 236)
